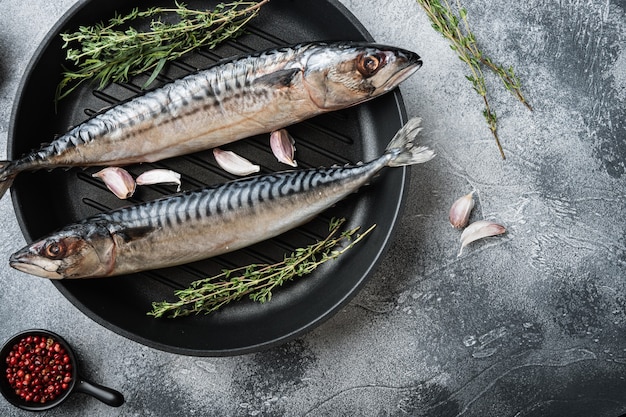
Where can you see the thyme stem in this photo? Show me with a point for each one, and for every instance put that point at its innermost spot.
(448, 23)
(257, 281)
(113, 52)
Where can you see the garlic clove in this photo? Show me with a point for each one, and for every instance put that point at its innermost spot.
(478, 230)
(283, 148)
(461, 210)
(159, 176)
(118, 180)
(233, 163)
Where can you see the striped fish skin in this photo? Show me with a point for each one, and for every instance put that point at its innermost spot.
(231, 100)
(200, 224)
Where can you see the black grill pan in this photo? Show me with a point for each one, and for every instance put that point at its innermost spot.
(45, 201)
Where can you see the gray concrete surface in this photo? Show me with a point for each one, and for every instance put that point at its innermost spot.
(529, 324)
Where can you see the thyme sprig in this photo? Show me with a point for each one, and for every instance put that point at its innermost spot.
(114, 52)
(257, 281)
(455, 27)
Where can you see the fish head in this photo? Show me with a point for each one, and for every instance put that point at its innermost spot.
(344, 74)
(77, 251)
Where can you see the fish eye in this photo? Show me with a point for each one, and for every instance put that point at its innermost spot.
(55, 250)
(368, 65)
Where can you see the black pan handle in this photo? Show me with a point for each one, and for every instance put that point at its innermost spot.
(105, 394)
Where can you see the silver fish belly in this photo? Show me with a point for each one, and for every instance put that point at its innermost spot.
(204, 223)
(234, 99)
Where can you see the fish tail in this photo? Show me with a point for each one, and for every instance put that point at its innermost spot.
(403, 149)
(7, 175)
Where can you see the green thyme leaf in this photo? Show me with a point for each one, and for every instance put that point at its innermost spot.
(106, 53)
(456, 29)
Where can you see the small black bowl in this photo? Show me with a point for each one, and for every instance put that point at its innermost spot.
(78, 383)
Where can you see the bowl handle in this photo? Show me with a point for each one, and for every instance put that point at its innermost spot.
(105, 394)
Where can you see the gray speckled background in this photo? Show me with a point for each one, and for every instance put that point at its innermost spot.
(529, 324)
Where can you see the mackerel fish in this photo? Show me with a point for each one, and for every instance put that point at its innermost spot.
(199, 224)
(232, 100)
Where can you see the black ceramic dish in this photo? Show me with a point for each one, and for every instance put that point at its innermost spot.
(45, 201)
(78, 383)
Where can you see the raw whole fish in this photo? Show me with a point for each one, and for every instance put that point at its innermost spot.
(229, 101)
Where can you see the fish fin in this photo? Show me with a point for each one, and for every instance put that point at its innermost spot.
(403, 148)
(7, 175)
(130, 234)
(281, 78)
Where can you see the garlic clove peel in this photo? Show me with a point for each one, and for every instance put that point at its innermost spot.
(283, 148)
(231, 162)
(479, 230)
(118, 181)
(460, 211)
(159, 176)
